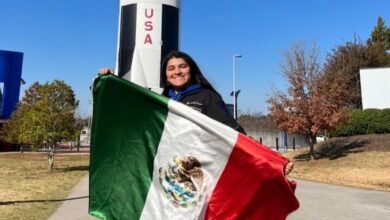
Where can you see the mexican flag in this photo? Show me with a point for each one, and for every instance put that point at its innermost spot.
(154, 158)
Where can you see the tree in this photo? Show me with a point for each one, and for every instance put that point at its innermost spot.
(45, 116)
(380, 34)
(17, 129)
(31, 95)
(14, 127)
(345, 62)
(307, 107)
(380, 37)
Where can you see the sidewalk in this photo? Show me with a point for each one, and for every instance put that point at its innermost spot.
(318, 201)
(75, 207)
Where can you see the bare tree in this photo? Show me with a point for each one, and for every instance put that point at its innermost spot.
(309, 105)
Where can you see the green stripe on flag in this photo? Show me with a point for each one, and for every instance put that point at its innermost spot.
(127, 124)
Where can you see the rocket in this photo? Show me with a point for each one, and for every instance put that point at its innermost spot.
(148, 30)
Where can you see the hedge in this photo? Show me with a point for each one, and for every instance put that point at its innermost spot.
(368, 121)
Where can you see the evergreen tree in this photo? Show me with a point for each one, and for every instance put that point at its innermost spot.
(381, 34)
(380, 38)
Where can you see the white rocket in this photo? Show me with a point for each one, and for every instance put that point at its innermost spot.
(148, 30)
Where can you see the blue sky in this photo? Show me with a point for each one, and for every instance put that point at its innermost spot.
(70, 40)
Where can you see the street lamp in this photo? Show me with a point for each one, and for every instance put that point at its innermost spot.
(234, 85)
(235, 95)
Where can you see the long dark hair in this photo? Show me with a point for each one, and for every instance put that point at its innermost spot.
(196, 74)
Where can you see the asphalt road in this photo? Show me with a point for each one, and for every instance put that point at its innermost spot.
(318, 201)
(323, 201)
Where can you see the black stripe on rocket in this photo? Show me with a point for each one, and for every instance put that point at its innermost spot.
(170, 31)
(127, 38)
(169, 38)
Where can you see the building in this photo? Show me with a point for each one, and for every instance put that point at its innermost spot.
(10, 74)
(85, 136)
(375, 88)
(10, 80)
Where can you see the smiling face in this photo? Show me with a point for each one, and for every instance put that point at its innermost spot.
(178, 73)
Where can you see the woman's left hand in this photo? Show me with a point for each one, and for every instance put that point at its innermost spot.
(288, 168)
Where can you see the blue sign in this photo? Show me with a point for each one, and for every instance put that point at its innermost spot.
(10, 74)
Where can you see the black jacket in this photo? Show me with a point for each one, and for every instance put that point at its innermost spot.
(211, 104)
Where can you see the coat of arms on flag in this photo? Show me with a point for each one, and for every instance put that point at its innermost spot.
(182, 181)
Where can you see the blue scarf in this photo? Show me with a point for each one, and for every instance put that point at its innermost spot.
(177, 95)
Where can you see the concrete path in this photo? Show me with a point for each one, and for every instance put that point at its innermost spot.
(75, 207)
(318, 201)
(323, 202)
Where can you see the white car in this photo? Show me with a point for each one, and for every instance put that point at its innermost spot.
(321, 138)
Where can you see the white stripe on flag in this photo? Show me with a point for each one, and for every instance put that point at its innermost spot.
(189, 133)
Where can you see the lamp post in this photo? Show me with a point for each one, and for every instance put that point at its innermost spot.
(234, 85)
(235, 95)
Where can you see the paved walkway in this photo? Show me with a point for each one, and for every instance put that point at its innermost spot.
(321, 201)
(75, 207)
(318, 201)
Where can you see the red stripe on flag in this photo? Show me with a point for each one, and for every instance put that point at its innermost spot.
(252, 185)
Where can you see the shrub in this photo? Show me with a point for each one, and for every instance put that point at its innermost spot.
(368, 121)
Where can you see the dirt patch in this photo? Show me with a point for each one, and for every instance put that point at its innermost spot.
(361, 161)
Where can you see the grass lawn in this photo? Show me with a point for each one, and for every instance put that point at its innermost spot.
(368, 170)
(358, 161)
(28, 191)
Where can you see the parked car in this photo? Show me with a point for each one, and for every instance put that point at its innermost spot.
(321, 138)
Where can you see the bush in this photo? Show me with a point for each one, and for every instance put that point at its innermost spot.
(368, 121)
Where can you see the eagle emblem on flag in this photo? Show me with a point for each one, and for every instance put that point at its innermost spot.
(182, 180)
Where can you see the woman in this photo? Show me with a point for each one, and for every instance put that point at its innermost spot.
(184, 82)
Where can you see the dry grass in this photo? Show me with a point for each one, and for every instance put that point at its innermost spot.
(343, 162)
(28, 191)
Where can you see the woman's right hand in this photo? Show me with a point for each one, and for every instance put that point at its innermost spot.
(105, 71)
